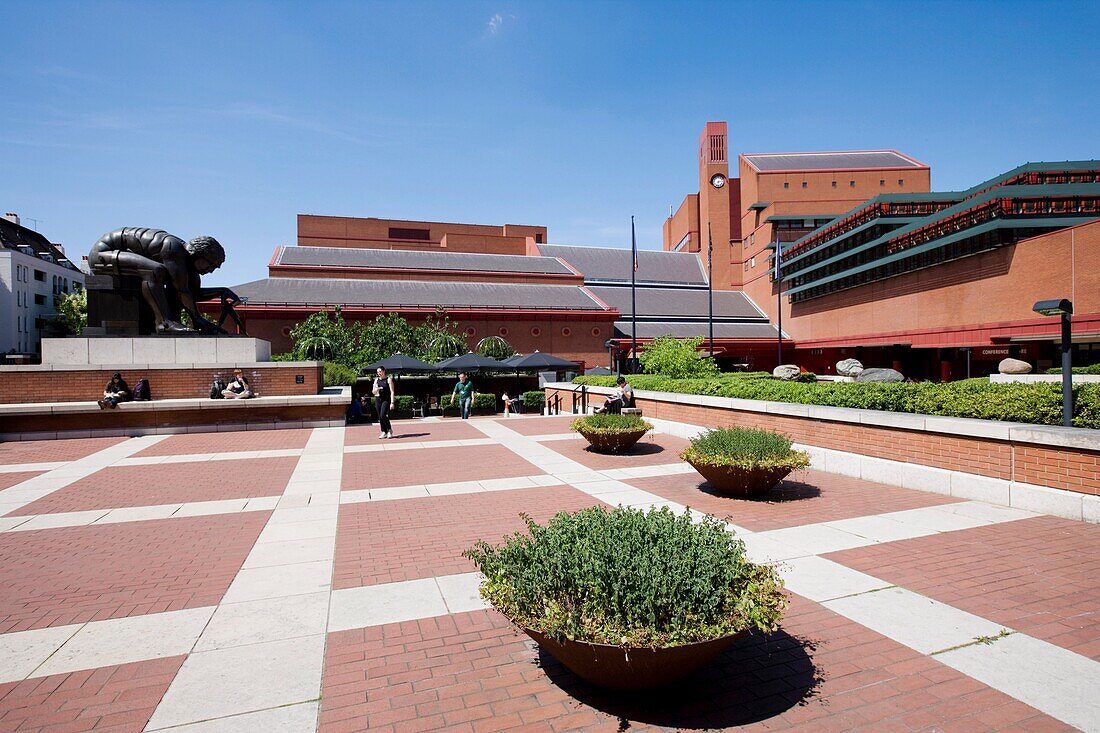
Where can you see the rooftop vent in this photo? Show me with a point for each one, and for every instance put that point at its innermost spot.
(12, 217)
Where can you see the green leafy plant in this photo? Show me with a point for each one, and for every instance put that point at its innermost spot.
(629, 578)
(338, 375)
(494, 347)
(71, 315)
(744, 448)
(534, 400)
(607, 424)
(1092, 369)
(481, 402)
(677, 358)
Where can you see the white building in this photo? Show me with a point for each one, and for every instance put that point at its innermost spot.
(33, 273)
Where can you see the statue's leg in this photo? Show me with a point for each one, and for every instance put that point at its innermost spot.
(154, 278)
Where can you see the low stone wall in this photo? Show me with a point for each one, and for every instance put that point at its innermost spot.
(46, 383)
(1015, 455)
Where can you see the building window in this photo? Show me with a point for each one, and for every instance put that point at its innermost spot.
(901, 181)
(538, 238)
(834, 184)
(39, 299)
(882, 182)
(420, 235)
(502, 331)
(851, 184)
(786, 184)
(752, 238)
(752, 262)
(566, 332)
(595, 332)
(536, 331)
(471, 331)
(805, 185)
(286, 330)
(40, 276)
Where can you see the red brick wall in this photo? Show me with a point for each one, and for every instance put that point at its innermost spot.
(350, 231)
(166, 383)
(1059, 468)
(251, 414)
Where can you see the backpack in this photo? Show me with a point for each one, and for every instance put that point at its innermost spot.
(141, 391)
(216, 389)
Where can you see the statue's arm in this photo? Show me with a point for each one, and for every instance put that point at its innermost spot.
(175, 261)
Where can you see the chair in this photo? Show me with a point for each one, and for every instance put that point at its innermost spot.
(418, 409)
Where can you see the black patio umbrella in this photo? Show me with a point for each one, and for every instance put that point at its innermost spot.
(400, 363)
(470, 361)
(540, 361)
(598, 372)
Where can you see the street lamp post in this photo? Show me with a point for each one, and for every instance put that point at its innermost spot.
(1064, 308)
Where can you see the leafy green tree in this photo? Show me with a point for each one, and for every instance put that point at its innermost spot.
(327, 336)
(677, 358)
(386, 335)
(72, 313)
(495, 347)
(438, 338)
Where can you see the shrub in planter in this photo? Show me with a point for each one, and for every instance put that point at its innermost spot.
(611, 433)
(742, 461)
(627, 598)
(534, 400)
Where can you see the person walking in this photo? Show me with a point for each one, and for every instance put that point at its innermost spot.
(384, 395)
(464, 393)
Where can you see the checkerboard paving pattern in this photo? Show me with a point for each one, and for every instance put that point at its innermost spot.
(68, 575)
(241, 441)
(48, 451)
(414, 431)
(145, 594)
(387, 541)
(116, 699)
(805, 497)
(1037, 576)
(652, 450)
(168, 483)
(433, 466)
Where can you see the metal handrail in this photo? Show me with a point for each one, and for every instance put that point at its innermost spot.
(583, 389)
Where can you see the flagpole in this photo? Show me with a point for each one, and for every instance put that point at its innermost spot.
(633, 299)
(710, 289)
(779, 296)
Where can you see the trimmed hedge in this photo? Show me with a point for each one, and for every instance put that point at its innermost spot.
(1037, 403)
(534, 400)
(1094, 369)
(338, 375)
(483, 403)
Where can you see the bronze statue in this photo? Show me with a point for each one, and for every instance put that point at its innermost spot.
(170, 271)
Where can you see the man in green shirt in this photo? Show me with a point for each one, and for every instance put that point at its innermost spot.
(464, 392)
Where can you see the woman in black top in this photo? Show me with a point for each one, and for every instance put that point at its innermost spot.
(116, 391)
(383, 401)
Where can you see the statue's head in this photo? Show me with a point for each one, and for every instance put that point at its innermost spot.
(206, 253)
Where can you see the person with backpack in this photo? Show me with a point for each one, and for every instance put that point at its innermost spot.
(239, 388)
(116, 391)
(216, 388)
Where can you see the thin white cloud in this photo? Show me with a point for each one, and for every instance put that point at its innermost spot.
(495, 24)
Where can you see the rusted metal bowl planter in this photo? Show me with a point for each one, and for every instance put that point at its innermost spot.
(738, 481)
(612, 442)
(627, 668)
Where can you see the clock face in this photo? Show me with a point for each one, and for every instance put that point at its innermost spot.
(718, 180)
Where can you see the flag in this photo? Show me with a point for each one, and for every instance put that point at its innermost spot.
(633, 244)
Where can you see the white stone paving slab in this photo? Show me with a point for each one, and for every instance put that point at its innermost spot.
(991, 513)
(8, 523)
(822, 580)
(29, 467)
(297, 531)
(761, 549)
(934, 519)
(455, 487)
(460, 592)
(139, 513)
(271, 619)
(276, 582)
(204, 508)
(878, 528)
(290, 552)
(125, 640)
(22, 652)
(399, 492)
(308, 513)
(242, 679)
(914, 620)
(816, 539)
(1049, 678)
(61, 519)
(301, 718)
(372, 605)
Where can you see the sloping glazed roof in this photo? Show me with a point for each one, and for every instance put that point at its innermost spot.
(841, 160)
(680, 329)
(416, 260)
(614, 264)
(397, 294)
(678, 302)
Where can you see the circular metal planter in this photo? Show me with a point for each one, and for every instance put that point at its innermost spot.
(740, 482)
(612, 442)
(622, 668)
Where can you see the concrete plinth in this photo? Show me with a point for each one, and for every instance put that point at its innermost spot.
(122, 351)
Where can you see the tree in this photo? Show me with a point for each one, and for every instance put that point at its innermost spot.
(72, 313)
(327, 336)
(438, 338)
(495, 347)
(677, 358)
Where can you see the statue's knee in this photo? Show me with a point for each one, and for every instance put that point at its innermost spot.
(160, 274)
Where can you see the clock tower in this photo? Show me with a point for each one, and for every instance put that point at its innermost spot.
(716, 192)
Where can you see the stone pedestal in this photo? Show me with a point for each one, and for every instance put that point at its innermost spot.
(116, 307)
(118, 352)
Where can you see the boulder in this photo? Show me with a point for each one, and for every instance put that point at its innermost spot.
(789, 372)
(1013, 366)
(849, 367)
(880, 375)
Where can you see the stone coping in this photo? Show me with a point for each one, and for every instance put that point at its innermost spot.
(1033, 378)
(221, 366)
(1044, 435)
(328, 396)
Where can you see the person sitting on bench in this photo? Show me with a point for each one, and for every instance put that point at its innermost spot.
(116, 391)
(623, 396)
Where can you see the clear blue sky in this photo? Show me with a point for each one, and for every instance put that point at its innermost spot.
(231, 118)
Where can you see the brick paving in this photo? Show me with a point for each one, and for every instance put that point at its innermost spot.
(529, 425)
(475, 672)
(379, 469)
(8, 480)
(118, 699)
(651, 450)
(806, 497)
(387, 541)
(168, 483)
(48, 451)
(1038, 576)
(52, 577)
(415, 430)
(228, 442)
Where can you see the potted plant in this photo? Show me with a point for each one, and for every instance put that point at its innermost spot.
(626, 598)
(611, 433)
(743, 461)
